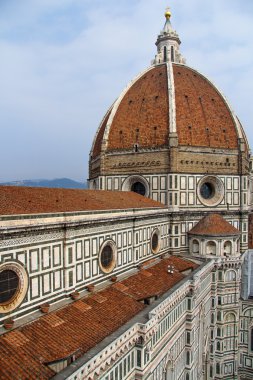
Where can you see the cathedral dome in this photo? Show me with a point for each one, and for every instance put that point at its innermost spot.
(168, 98)
(169, 120)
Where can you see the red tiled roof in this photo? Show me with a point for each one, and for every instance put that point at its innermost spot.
(203, 118)
(155, 281)
(78, 327)
(29, 200)
(214, 225)
(144, 107)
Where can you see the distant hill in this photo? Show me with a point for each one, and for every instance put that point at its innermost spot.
(63, 183)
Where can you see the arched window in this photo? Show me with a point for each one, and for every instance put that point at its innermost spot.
(228, 248)
(249, 313)
(219, 316)
(137, 184)
(172, 54)
(217, 368)
(218, 331)
(187, 357)
(218, 346)
(230, 275)
(211, 248)
(139, 188)
(212, 318)
(169, 370)
(238, 245)
(195, 246)
(230, 317)
(165, 54)
(187, 376)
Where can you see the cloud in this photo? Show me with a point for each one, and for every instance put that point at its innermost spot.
(63, 63)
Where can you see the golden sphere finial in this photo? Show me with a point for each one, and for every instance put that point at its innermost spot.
(167, 13)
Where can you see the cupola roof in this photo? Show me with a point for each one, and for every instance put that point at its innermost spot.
(168, 98)
(214, 225)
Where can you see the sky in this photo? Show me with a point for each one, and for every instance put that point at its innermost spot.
(64, 62)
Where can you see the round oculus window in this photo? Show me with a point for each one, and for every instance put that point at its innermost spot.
(155, 241)
(137, 184)
(210, 191)
(13, 286)
(107, 256)
(139, 188)
(9, 285)
(207, 190)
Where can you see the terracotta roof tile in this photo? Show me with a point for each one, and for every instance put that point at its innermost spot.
(53, 320)
(29, 200)
(203, 118)
(120, 286)
(31, 347)
(82, 306)
(214, 225)
(16, 338)
(143, 114)
(98, 298)
(156, 280)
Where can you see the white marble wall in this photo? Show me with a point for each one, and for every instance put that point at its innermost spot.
(60, 258)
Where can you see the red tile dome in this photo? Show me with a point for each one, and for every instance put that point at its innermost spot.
(142, 114)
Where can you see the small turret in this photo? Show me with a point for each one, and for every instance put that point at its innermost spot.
(168, 43)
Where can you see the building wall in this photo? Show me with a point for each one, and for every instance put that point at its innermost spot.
(180, 190)
(59, 258)
(246, 340)
(200, 327)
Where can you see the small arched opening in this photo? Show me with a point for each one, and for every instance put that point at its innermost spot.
(139, 188)
(211, 248)
(195, 246)
(165, 54)
(172, 54)
(228, 248)
(230, 275)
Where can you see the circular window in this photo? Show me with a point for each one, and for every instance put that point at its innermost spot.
(9, 284)
(137, 184)
(13, 286)
(139, 188)
(155, 241)
(207, 190)
(210, 191)
(107, 256)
